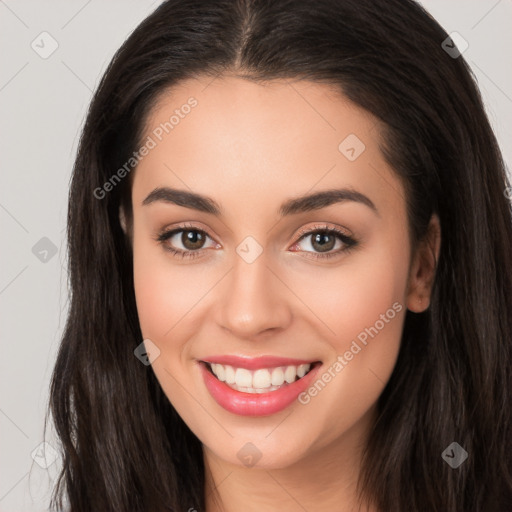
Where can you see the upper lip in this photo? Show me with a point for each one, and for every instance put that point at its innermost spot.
(254, 363)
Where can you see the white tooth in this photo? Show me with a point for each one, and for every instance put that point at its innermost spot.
(230, 374)
(277, 377)
(303, 369)
(290, 373)
(261, 379)
(254, 390)
(221, 374)
(243, 378)
(213, 366)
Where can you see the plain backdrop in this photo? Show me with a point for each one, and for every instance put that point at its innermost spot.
(43, 102)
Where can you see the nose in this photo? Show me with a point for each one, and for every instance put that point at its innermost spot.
(253, 301)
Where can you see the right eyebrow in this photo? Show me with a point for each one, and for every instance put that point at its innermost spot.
(183, 198)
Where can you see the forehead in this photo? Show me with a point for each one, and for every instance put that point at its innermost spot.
(230, 110)
(277, 138)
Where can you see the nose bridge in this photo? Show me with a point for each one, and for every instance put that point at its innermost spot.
(253, 300)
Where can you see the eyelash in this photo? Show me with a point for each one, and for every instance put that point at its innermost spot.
(348, 241)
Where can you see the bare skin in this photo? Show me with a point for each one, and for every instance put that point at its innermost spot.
(251, 147)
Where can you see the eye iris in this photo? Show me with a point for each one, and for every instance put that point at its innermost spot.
(323, 239)
(192, 239)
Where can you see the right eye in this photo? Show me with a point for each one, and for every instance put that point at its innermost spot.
(192, 241)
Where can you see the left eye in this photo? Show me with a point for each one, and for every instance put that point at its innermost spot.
(320, 242)
(325, 241)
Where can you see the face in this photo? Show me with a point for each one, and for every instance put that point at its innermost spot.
(243, 261)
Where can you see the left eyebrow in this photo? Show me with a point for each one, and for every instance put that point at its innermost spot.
(323, 199)
(292, 206)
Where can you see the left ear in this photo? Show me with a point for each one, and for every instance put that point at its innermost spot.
(423, 268)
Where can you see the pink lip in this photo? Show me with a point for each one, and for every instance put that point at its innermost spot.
(254, 363)
(252, 404)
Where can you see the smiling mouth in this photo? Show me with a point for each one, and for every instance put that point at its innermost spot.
(263, 380)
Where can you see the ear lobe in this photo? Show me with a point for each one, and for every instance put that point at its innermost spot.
(423, 268)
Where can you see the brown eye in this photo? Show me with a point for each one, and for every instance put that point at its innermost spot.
(185, 242)
(323, 241)
(193, 239)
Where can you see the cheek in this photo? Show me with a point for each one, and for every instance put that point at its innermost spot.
(154, 287)
(352, 296)
(362, 305)
(165, 291)
(168, 298)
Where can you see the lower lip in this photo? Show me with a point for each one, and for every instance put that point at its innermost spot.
(255, 404)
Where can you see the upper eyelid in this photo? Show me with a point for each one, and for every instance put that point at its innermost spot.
(324, 227)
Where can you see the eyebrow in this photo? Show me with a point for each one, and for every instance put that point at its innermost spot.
(292, 206)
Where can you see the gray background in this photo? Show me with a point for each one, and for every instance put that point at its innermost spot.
(42, 106)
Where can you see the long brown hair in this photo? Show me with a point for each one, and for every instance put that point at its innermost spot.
(124, 446)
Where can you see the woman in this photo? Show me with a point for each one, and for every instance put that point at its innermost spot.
(290, 264)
